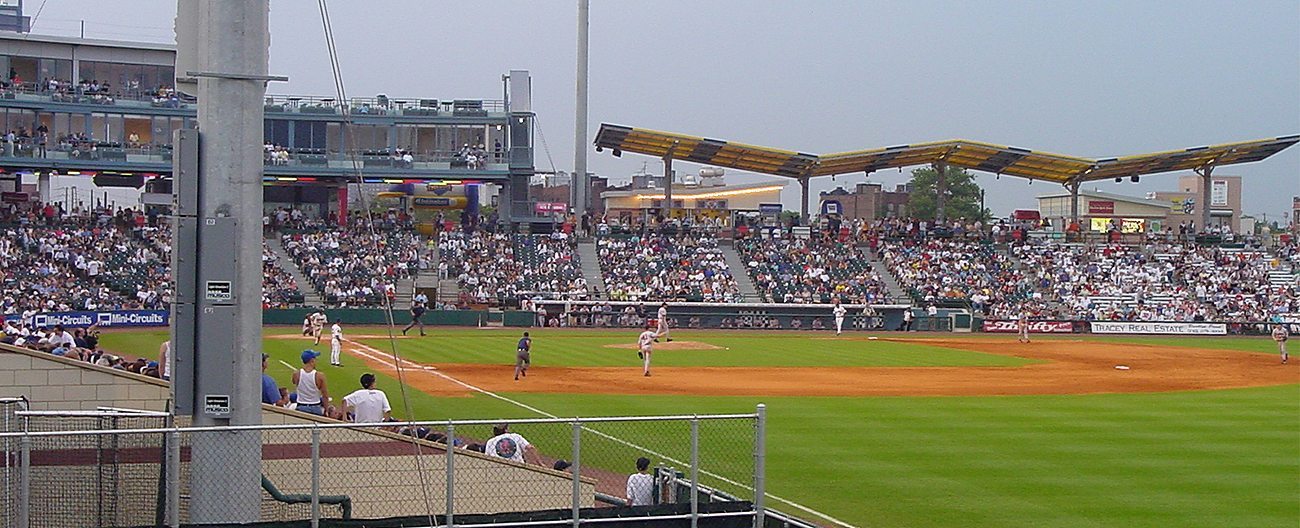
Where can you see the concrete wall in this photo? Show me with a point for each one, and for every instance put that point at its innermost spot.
(378, 470)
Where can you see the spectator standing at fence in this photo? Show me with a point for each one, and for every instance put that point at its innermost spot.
(1280, 335)
(510, 446)
(640, 485)
(368, 404)
(839, 312)
(417, 312)
(523, 356)
(313, 395)
(165, 359)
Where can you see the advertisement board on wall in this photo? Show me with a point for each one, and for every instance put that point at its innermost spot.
(1008, 326)
(1127, 327)
(1101, 207)
(1219, 193)
(101, 319)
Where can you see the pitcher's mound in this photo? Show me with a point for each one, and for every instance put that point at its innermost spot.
(670, 345)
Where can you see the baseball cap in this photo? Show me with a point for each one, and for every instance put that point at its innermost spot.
(308, 355)
(265, 357)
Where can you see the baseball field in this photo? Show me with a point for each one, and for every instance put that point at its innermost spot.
(940, 430)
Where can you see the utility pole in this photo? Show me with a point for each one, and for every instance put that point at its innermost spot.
(579, 185)
(222, 51)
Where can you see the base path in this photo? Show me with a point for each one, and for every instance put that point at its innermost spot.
(1068, 367)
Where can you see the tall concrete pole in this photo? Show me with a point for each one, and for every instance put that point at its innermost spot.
(231, 50)
(579, 185)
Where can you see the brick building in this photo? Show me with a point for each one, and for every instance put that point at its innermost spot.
(868, 201)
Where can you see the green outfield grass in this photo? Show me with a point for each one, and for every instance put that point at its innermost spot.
(1211, 458)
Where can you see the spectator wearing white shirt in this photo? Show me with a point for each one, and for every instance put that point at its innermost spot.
(368, 404)
(510, 446)
(640, 485)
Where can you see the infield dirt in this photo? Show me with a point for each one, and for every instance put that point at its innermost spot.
(1068, 367)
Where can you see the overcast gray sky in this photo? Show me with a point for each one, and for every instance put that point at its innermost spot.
(1095, 78)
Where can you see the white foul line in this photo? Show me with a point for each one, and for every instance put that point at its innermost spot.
(386, 358)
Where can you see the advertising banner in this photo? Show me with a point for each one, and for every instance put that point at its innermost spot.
(1127, 327)
(103, 319)
(1007, 326)
(1101, 207)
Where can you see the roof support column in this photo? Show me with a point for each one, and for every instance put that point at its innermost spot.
(667, 209)
(1074, 201)
(1205, 172)
(940, 190)
(803, 200)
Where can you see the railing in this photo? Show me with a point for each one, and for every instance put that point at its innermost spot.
(452, 473)
(306, 104)
(321, 158)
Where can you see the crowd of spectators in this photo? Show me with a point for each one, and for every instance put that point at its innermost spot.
(1157, 282)
(811, 270)
(938, 270)
(651, 267)
(492, 267)
(357, 265)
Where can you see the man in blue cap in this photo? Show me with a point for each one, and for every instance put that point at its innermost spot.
(313, 396)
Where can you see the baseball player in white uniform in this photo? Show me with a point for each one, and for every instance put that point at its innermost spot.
(318, 321)
(644, 345)
(662, 331)
(839, 312)
(1280, 335)
(336, 344)
(1022, 325)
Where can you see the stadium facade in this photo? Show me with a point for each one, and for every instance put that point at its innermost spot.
(107, 109)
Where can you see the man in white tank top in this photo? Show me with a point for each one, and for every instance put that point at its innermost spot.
(313, 396)
(165, 359)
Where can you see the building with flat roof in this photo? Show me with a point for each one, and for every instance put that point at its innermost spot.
(704, 198)
(88, 107)
(1097, 211)
(868, 201)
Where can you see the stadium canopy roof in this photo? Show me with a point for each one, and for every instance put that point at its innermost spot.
(987, 157)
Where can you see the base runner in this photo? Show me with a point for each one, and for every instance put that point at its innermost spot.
(645, 343)
(1280, 335)
(523, 356)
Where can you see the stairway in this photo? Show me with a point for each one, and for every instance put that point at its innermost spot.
(896, 290)
(590, 265)
(310, 297)
(740, 272)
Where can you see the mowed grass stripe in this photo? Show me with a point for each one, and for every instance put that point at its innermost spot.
(562, 348)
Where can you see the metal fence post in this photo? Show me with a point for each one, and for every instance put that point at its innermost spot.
(315, 477)
(760, 446)
(451, 474)
(695, 472)
(576, 469)
(174, 479)
(25, 481)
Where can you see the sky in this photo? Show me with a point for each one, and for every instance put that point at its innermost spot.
(1096, 78)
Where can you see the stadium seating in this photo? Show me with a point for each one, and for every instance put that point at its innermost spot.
(350, 267)
(493, 267)
(810, 271)
(654, 267)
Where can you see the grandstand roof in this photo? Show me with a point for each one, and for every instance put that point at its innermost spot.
(987, 157)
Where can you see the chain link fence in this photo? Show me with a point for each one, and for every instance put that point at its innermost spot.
(119, 469)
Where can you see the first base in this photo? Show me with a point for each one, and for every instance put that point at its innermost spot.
(1121, 367)
(872, 338)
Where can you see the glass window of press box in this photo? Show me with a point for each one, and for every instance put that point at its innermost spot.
(125, 76)
(32, 69)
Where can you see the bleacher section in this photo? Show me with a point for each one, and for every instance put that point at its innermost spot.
(653, 267)
(810, 271)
